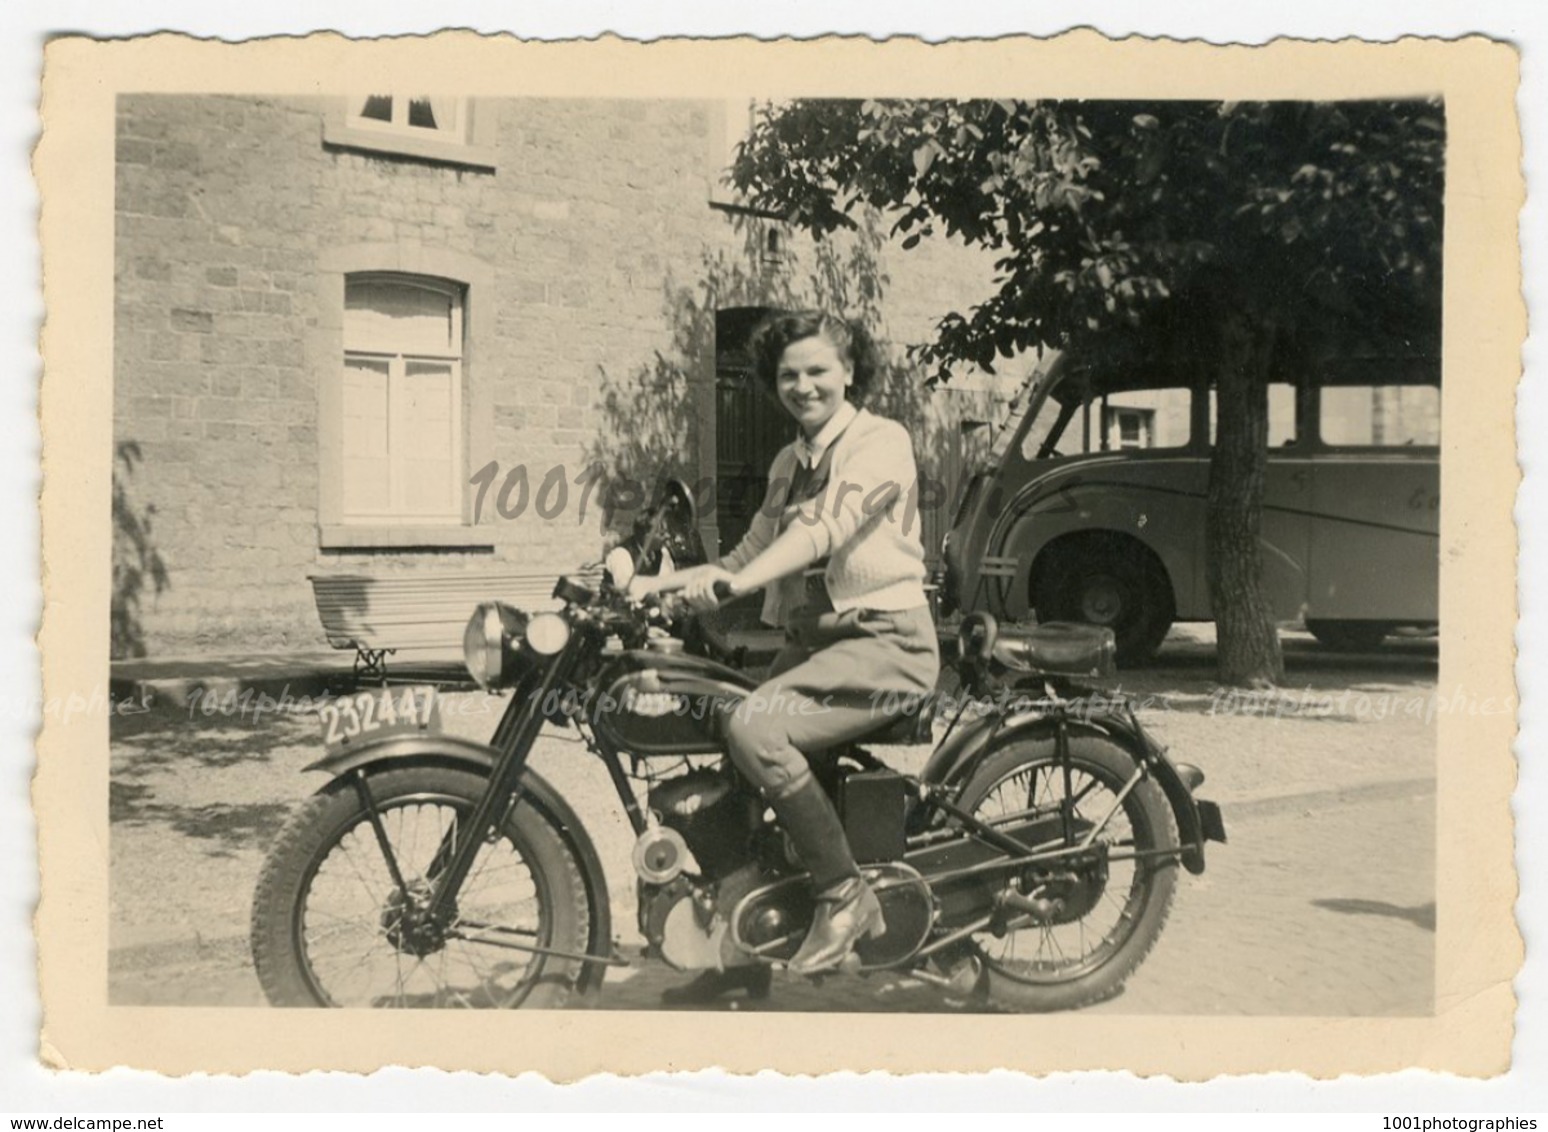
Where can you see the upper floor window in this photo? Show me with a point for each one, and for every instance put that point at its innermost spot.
(402, 400)
(731, 126)
(445, 117)
(444, 128)
(731, 123)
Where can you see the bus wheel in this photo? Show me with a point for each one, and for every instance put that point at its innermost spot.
(1121, 588)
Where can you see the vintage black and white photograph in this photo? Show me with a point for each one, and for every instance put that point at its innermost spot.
(775, 554)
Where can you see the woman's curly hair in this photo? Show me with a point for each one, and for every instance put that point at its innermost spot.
(850, 339)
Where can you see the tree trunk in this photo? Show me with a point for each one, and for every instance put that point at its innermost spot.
(1248, 653)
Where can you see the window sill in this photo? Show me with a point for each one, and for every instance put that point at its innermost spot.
(367, 537)
(404, 145)
(738, 206)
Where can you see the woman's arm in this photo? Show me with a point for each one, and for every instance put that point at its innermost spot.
(867, 480)
(788, 554)
(643, 586)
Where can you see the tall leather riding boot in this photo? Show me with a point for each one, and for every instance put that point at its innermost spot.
(847, 910)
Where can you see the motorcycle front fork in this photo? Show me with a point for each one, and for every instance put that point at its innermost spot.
(513, 739)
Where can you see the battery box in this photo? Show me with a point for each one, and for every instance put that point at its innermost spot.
(872, 804)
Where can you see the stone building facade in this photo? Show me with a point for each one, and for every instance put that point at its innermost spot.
(341, 325)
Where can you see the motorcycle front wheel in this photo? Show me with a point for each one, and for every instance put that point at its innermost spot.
(333, 926)
(1097, 920)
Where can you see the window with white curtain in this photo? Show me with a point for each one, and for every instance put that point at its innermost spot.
(402, 400)
(438, 116)
(425, 127)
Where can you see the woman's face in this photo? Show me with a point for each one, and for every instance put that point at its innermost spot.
(811, 380)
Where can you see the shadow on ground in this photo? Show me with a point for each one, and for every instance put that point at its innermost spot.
(1421, 916)
(160, 753)
(235, 827)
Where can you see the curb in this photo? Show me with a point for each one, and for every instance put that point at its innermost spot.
(196, 681)
(191, 691)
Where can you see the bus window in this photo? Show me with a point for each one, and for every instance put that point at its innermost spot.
(1146, 418)
(1382, 416)
(1042, 427)
(1281, 415)
(1132, 419)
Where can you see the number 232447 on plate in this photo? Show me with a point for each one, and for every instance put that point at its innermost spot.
(373, 715)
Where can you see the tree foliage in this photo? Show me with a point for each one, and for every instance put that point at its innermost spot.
(1115, 220)
(137, 564)
(1252, 239)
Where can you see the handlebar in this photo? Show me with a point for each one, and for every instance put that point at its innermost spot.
(674, 605)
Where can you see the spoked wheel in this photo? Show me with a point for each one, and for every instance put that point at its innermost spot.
(1075, 930)
(333, 926)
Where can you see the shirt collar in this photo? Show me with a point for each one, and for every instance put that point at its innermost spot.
(810, 451)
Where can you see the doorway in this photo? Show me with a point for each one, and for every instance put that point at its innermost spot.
(750, 426)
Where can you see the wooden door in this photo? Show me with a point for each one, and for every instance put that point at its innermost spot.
(750, 427)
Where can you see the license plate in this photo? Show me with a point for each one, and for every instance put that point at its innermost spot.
(375, 715)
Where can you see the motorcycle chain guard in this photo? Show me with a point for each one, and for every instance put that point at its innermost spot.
(770, 922)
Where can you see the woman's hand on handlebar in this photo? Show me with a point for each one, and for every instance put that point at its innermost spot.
(703, 587)
(644, 586)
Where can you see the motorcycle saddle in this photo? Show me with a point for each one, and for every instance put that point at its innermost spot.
(1058, 648)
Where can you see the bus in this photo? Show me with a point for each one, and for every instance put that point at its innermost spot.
(1090, 504)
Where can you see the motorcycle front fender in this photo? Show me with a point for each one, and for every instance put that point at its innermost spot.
(449, 750)
(954, 760)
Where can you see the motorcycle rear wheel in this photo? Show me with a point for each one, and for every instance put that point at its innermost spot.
(1086, 956)
(328, 922)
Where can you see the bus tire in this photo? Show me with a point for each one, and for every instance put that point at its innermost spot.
(1100, 583)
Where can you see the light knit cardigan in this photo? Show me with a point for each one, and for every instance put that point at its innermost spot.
(865, 521)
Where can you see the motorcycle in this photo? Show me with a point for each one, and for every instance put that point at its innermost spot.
(1032, 862)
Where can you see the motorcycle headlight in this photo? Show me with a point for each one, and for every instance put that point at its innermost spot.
(547, 633)
(490, 641)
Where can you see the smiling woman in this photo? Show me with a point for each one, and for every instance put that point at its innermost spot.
(812, 379)
(844, 577)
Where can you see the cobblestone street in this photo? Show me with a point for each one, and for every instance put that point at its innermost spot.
(1321, 904)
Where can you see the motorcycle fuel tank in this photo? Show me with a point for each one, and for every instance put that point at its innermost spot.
(659, 703)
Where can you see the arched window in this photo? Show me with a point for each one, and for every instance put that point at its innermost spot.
(402, 400)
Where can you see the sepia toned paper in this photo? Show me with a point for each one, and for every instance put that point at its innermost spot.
(1477, 947)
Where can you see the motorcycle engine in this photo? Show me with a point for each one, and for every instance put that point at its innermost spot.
(687, 924)
(713, 814)
(708, 814)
